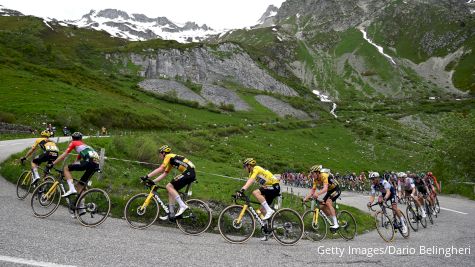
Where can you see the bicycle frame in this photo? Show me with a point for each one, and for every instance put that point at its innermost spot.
(253, 211)
(154, 194)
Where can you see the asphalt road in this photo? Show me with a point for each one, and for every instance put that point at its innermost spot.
(61, 240)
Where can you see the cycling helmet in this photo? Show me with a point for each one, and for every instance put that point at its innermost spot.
(249, 161)
(373, 175)
(45, 133)
(316, 168)
(429, 173)
(165, 149)
(77, 136)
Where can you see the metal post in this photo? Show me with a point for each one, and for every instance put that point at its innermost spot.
(101, 161)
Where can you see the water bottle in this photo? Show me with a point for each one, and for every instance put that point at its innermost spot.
(258, 211)
(278, 204)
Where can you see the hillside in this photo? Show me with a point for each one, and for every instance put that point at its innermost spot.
(247, 94)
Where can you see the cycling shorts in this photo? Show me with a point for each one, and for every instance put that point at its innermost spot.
(89, 166)
(46, 157)
(332, 194)
(270, 192)
(185, 178)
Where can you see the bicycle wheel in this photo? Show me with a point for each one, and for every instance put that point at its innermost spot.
(412, 218)
(232, 230)
(45, 199)
(314, 231)
(138, 217)
(23, 184)
(408, 231)
(287, 226)
(428, 211)
(437, 206)
(93, 207)
(423, 220)
(384, 226)
(48, 178)
(196, 219)
(347, 224)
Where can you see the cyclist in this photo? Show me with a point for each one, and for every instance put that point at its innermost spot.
(269, 186)
(387, 193)
(433, 180)
(410, 190)
(87, 160)
(187, 176)
(330, 188)
(50, 153)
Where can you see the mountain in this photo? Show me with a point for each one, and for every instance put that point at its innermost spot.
(140, 27)
(369, 48)
(267, 19)
(9, 12)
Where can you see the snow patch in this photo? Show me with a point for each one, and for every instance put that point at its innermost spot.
(326, 98)
(380, 49)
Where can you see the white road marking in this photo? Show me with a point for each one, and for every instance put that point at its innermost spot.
(31, 262)
(454, 211)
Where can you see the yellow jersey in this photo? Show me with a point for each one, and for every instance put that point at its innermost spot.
(46, 145)
(263, 176)
(325, 178)
(177, 161)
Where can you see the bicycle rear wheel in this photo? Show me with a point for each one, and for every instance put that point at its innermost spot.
(93, 207)
(23, 184)
(384, 226)
(314, 231)
(287, 226)
(196, 219)
(138, 217)
(232, 230)
(347, 224)
(45, 199)
(412, 218)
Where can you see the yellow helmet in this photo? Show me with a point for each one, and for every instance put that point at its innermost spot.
(316, 168)
(165, 149)
(45, 133)
(249, 161)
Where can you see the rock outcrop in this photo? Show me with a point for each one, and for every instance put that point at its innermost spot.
(280, 108)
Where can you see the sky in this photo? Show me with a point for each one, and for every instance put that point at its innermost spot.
(218, 14)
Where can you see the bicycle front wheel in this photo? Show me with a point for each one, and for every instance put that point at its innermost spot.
(141, 217)
(287, 226)
(93, 207)
(423, 220)
(234, 230)
(45, 199)
(196, 219)
(314, 230)
(403, 221)
(23, 184)
(412, 218)
(384, 226)
(437, 206)
(347, 224)
(428, 211)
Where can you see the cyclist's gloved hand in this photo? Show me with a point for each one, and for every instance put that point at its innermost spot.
(22, 160)
(49, 166)
(240, 193)
(144, 179)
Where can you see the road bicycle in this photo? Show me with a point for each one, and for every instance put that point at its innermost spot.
(414, 214)
(316, 223)
(24, 184)
(90, 207)
(387, 226)
(237, 223)
(143, 209)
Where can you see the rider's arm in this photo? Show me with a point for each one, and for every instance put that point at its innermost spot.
(248, 183)
(388, 193)
(312, 191)
(61, 157)
(32, 149)
(373, 193)
(164, 172)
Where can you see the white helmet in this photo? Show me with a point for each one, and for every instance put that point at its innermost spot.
(373, 175)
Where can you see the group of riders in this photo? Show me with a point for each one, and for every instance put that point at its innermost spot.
(269, 185)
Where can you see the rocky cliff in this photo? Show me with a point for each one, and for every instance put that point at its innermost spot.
(207, 65)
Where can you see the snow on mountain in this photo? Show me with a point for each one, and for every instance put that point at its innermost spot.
(267, 19)
(9, 12)
(140, 27)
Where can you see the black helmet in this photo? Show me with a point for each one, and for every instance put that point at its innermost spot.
(77, 136)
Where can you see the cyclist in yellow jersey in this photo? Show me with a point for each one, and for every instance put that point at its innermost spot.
(50, 153)
(269, 189)
(187, 176)
(331, 189)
